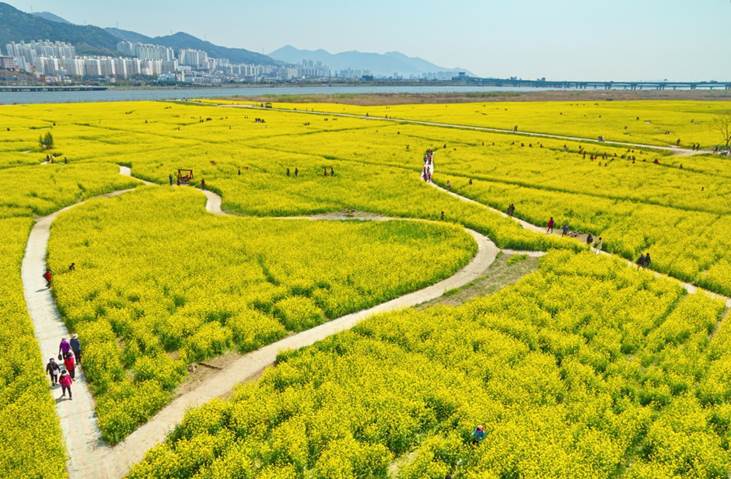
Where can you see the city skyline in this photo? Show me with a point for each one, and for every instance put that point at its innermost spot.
(565, 39)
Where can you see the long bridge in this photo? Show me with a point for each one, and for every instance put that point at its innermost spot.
(24, 88)
(599, 85)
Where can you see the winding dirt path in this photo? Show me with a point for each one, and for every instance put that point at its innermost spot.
(689, 287)
(89, 456)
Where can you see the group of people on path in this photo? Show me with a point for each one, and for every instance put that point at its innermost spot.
(594, 245)
(428, 170)
(69, 351)
(644, 260)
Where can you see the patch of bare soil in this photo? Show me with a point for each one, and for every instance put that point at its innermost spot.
(506, 270)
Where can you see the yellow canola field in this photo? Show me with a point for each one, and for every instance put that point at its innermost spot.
(159, 284)
(660, 122)
(27, 411)
(584, 369)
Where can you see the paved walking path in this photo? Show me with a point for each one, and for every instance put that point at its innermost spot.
(487, 129)
(689, 287)
(77, 416)
(89, 456)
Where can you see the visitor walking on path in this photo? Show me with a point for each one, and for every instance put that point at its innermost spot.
(52, 369)
(48, 276)
(63, 348)
(589, 239)
(511, 210)
(598, 245)
(203, 184)
(551, 224)
(65, 381)
(641, 261)
(70, 363)
(76, 347)
(565, 230)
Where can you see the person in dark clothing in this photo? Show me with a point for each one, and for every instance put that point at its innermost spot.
(296, 172)
(565, 230)
(478, 435)
(442, 215)
(52, 369)
(647, 260)
(589, 240)
(76, 347)
(287, 171)
(332, 171)
(511, 209)
(203, 184)
(641, 261)
(170, 180)
(72, 267)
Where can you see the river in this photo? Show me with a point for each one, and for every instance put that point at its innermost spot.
(114, 94)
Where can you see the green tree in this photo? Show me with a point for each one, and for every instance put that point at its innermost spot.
(723, 126)
(46, 141)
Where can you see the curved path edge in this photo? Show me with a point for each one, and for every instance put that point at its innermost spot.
(88, 455)
(77, 417)
(689, 287)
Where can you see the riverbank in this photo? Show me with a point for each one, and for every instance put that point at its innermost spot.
(364, 95)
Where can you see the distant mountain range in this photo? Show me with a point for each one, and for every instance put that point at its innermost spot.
(379, 64)
(16, 25)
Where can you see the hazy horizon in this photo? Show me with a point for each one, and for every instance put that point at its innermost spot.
(564, 39)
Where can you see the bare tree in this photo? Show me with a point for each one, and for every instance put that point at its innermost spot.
(723, 126)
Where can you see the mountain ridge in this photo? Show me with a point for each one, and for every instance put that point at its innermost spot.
(16, 25)
(380, 64)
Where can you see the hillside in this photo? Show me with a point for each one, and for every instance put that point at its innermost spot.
(19, 26)
(51, 17)
(380, 64)
(16, 25)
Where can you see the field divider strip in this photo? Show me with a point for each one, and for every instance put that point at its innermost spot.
(689, 287)
(487, 129)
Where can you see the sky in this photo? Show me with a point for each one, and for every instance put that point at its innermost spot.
(557, 39)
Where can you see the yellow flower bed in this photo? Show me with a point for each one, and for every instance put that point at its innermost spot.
(159, 283)
(27, 411)
(586, 368)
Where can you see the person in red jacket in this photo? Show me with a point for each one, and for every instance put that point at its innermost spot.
(48, 276)
(65, 382)
(551, 224)
(70, 364)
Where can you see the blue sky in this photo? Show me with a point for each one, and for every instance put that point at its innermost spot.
(559, 39)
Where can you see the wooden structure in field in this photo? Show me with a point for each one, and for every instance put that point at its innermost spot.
(185, 176)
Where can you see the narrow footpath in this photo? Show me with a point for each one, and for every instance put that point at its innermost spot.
(689, 287)
(88, 456)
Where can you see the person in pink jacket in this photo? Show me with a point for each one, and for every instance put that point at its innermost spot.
(65, 382)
